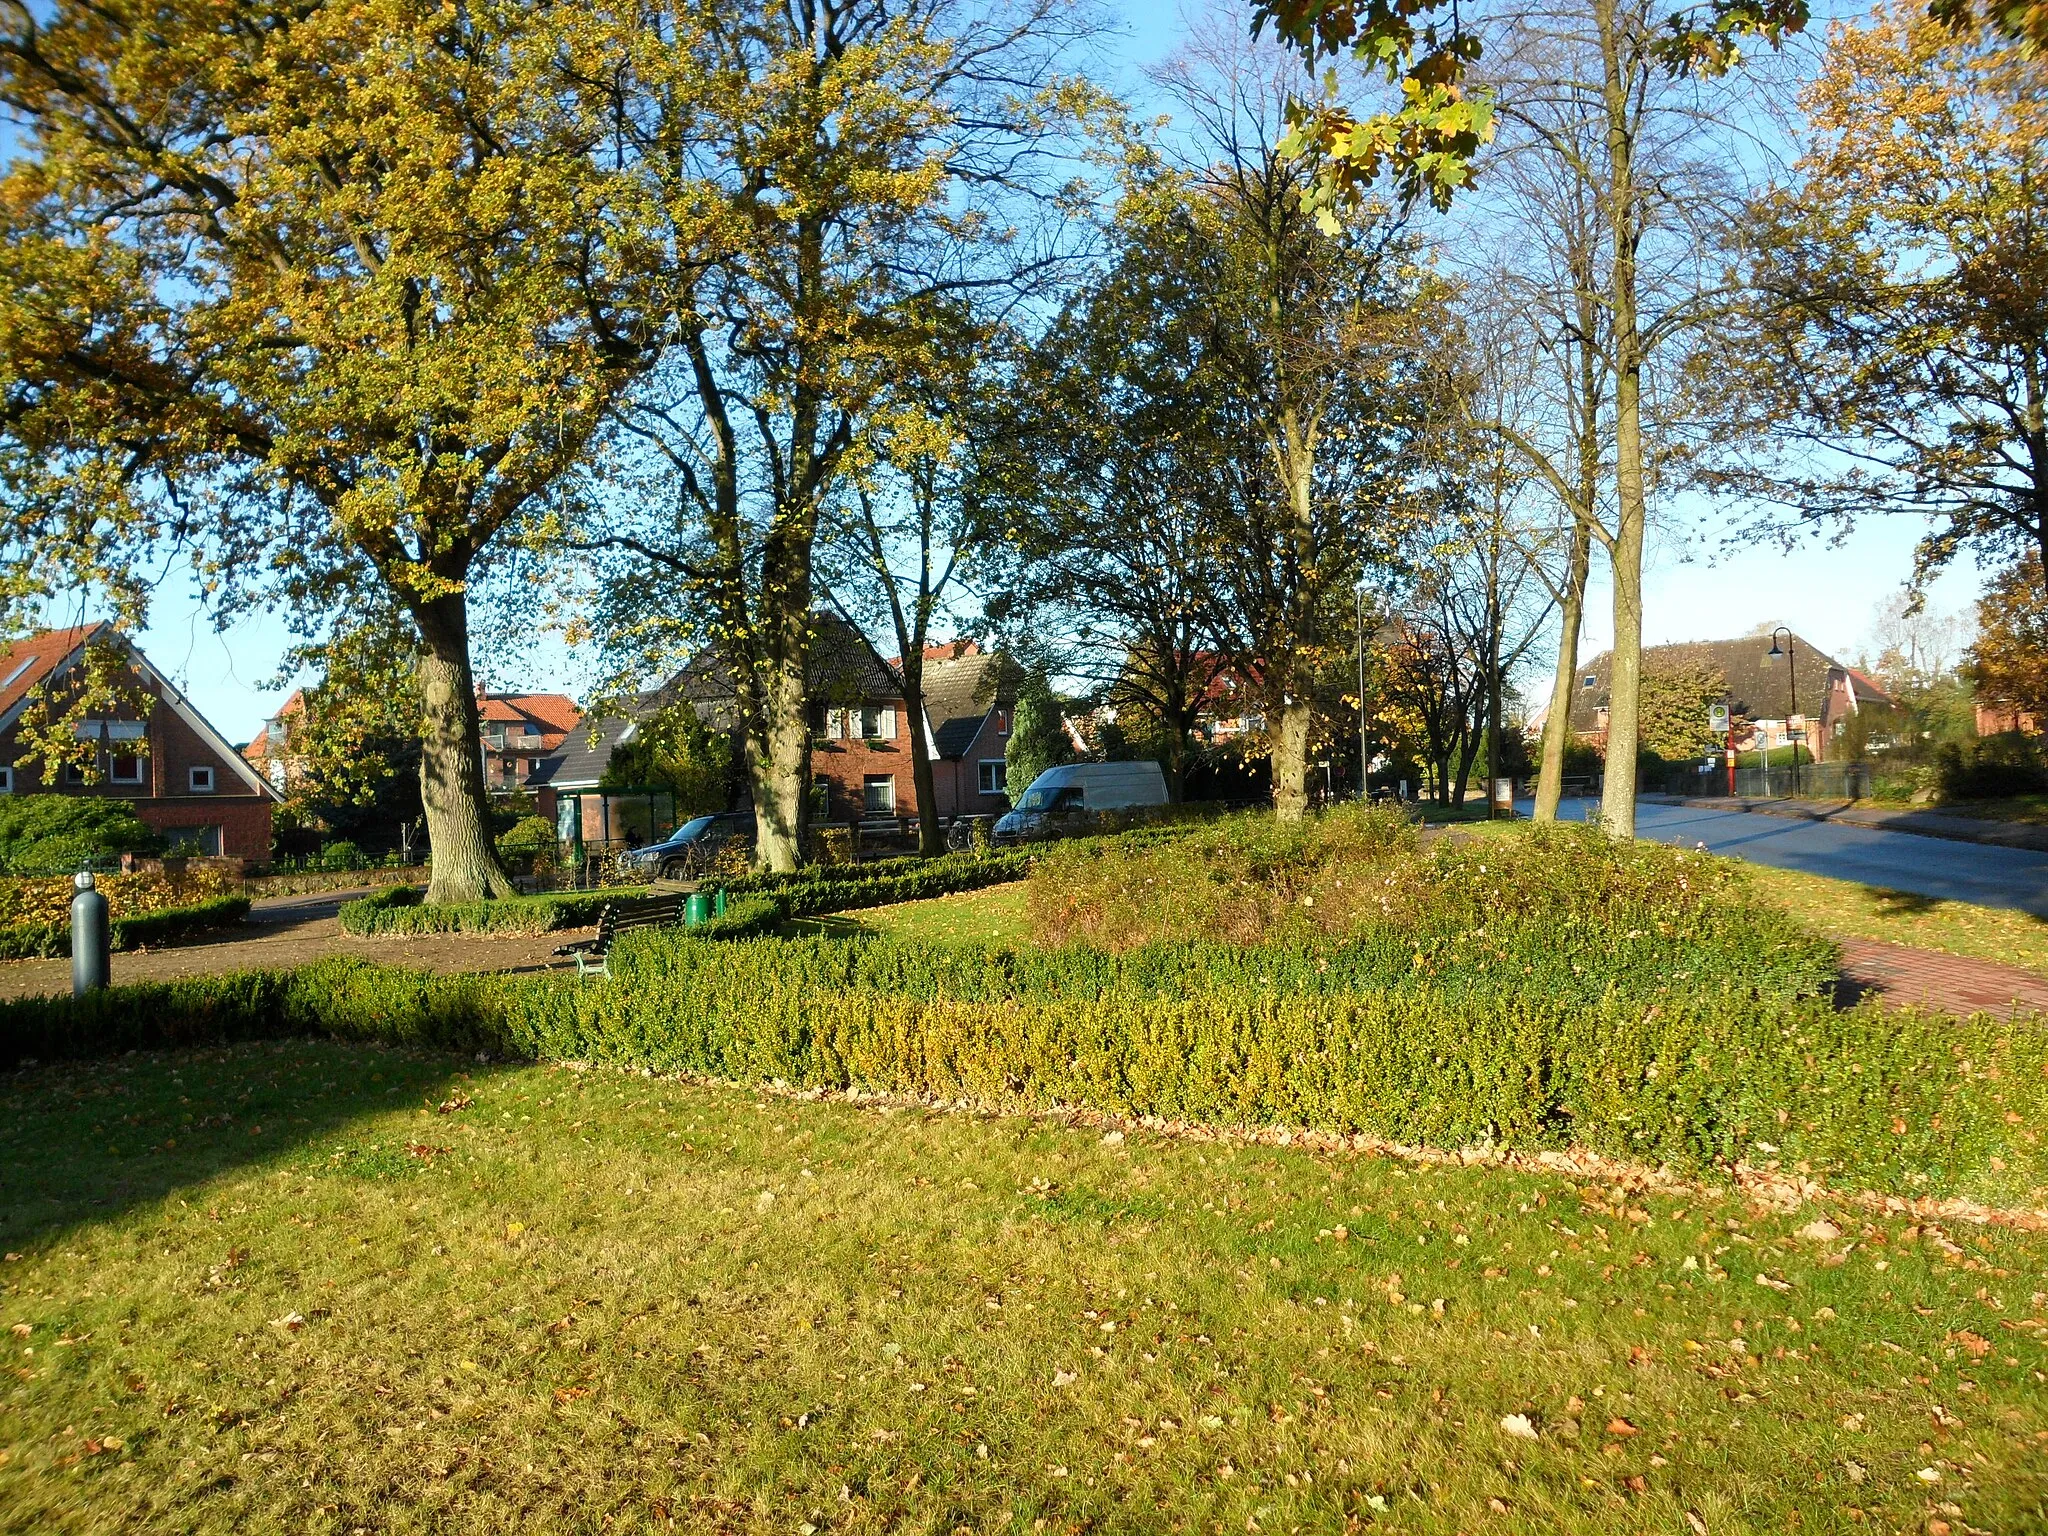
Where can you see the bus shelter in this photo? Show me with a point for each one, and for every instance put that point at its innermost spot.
(596, 825)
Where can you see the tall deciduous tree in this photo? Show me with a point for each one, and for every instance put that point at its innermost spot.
(2009, 662)
(302, 291)
(1107, 460)
(906, 533)
(1896, 357)
(863, 170)
(1319, 356)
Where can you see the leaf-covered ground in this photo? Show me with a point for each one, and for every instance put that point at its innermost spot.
(1845, 909)
(306, 1287)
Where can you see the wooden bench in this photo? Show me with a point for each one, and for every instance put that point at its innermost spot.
(593, 955)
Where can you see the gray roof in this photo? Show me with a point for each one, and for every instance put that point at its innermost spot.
(959, 693)
(1759, 686)
(580, 764)
(841, 669)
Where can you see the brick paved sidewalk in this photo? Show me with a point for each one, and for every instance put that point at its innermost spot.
(1925, 979)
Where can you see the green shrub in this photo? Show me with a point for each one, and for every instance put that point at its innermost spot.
(31, 941)
(803, 893)
(55, 834)
(1900, 1101)
(1553, 911)
(341, 855)
(1993, 768)
(531, 844)
(401, 909)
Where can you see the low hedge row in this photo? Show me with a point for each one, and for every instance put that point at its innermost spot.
(401, 910)
(1898, 1101)
(804, 893)
(37, 941)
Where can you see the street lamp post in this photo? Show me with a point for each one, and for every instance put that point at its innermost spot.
(1358, 609)
(1792, 678)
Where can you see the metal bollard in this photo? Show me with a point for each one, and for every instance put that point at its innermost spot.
(90, 940)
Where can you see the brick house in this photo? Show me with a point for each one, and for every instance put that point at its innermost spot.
(521, 732)
(272, 754)
(860, 726)
(860, 746)
(1760, 689)
(187, 782)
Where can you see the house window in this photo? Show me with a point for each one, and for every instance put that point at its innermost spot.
(190, 840)
(995, 776)
(877, 722)
(1588, 681)
(1002, 722)
(878, 794)
(201, 780)
(6, 781)
(74, 773)
(127, 769)
(14, 676)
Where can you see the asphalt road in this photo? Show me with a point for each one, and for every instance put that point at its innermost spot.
(1899, 861)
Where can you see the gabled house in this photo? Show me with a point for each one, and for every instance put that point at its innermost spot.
(521, 732)
(272, 753)
(1761, 688)
(187, 782)
(860, 725)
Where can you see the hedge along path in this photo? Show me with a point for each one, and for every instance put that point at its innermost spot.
(803, 894)
(1912, 1104)
(1764, 1187)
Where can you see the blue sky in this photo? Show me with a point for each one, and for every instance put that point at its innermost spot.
(1694, 588)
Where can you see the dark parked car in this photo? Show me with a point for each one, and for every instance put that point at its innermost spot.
(687, 852)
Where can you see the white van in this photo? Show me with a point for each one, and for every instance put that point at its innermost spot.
(1066, 799)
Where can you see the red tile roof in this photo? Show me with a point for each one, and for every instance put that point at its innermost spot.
(555, 715)
(44, 653)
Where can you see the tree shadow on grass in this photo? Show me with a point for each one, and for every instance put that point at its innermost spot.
(1903, 903)
(88, 1140)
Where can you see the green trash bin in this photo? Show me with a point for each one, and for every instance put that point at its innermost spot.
(718, 902)
(698, 912)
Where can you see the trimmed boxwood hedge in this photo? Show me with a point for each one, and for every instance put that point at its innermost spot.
(1902, 1101)
(400, 909)
(803, 893)
(34, 941)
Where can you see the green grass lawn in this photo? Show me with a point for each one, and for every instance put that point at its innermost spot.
(997, 915)
(275, 1288)
(1847, 909)
(1844, 909)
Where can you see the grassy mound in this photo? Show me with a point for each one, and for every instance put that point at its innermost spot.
(1559, 911)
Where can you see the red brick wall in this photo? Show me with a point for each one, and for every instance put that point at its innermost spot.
(958, 780)
(244, 821)
(845, 763)
(164, 799)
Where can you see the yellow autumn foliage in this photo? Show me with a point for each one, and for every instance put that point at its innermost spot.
(31, 901)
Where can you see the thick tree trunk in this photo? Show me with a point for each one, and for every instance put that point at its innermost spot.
(466, 866)
(931, 840)
(778, 765)
(1557, 724)
(1290, 760)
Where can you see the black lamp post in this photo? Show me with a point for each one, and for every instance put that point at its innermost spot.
(1792, 678)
